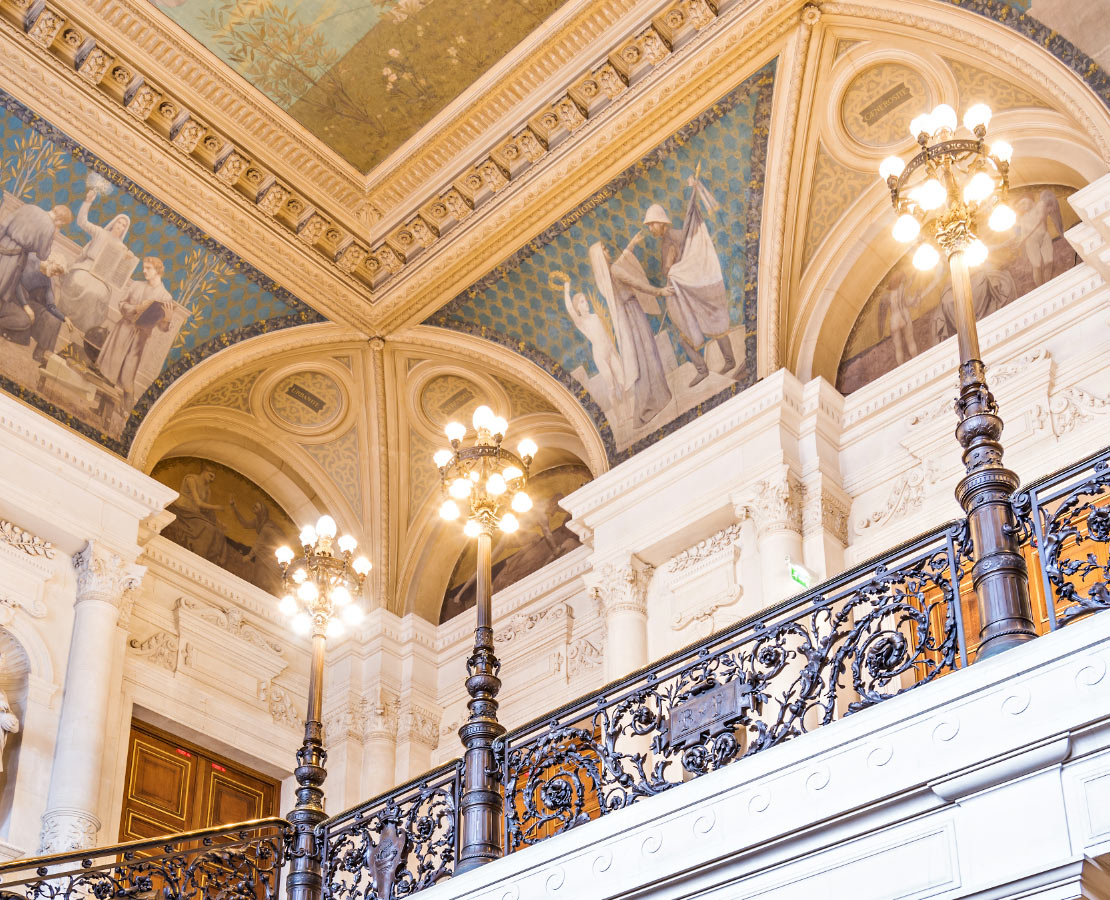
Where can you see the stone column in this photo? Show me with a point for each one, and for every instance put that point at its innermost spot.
(621, 592)
(380, 747)
(417, 725)
(774, 505)
(103, 580)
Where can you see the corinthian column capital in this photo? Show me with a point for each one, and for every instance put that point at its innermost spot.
(104, 575)
(622, 586)
(773, 503)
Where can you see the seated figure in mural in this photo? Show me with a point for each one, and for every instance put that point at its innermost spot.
(9, 724)
(196, 527)
(991, 289)
(630, 296)
(596, 331)
(25, 241)
(86, 287)
(146, 306)
(697, 303)
(259, 566)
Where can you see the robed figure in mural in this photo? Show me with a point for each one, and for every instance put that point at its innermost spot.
(697, 302)
(25, 241)
(145, 307)
(104, 262)
(631, 297)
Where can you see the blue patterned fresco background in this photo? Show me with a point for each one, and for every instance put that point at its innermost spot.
(517, 306)
(229, 300)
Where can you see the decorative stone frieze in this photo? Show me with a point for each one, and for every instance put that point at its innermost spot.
(419, 725)
(160, 649)
(66, 830)
(823, 511)
(281, 706)
(363, 719)
(20, 539)
(689, 557)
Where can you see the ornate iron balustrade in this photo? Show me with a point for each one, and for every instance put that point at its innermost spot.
(1065, 518)
(882, 628)
(234, 862)
(396, 844)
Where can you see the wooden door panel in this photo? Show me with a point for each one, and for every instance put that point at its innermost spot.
(161, 780)
(233, 797)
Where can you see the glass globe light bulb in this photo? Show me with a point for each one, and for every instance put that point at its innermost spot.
(978, 115)
(347, 544)
(474, 476)
(284, 555)
(301, 623)
(976, 253)
(335, 628)
(443, 457)
(527, 448)
(906, 229)
(925, 257)
(891, 167)
(512, 473)
(471, 528)
(483, 417)
(1002, 151)
(979, 188)
(509, 523)
(944, 118)
(362, 566)
(299, 575)
(922, 124)
(495, 484)
(353, 614)
(307, 591)
(449, 510)
(308, 536)
(1002, 218)
(287, 605)
(460, 488)
(340, 596)
(455, 431)
(521, 502)
(326, 527)
(500, 425)
(929, 195)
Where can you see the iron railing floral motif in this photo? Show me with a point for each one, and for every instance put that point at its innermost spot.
(1066, 519)
(885, 627)
(235, 862)
(396, 844)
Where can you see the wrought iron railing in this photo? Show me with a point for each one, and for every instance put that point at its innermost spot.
(1065, 520)
(396, 844)
(885, 627)
(234, 862)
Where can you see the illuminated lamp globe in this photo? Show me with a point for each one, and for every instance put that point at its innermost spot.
(455, 431)
(891, 167)
(340, 596)
(495, 484)
(925, 257)
(347, 544)
(301, 623)
(471, 528)
(979, 188)
(1002, 151)
(500, 425)
(326, 527)
(307, 591)
(308, 536)
(976, 253)
(299, 575)
(484, 417)
(284, 556)
(906, 229)
(442, 458)
(287, 605)
(521, 502)
(362, 566)
(460, 488)
(944, 118)
(512, 473)
(977, 116)
(474, 476)
(449, 510)
(353, 614)
(922, 124)
(509, 523)
(1002, 218)
(929, 194)
(527, 448)
(335, 628)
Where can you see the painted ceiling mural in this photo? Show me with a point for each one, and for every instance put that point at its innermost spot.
(642, 300)
(107, 295)
(361, 76)
(910, 311)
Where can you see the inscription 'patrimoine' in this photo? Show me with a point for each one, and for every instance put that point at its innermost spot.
(887, 103)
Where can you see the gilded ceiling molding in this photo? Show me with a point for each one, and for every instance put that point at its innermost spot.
(381, 581)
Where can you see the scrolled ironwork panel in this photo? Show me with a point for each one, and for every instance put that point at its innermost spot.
(875, 632)
(395, 845)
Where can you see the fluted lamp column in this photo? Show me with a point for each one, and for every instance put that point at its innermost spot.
(942, 195)
(487, 481)
(320, 588)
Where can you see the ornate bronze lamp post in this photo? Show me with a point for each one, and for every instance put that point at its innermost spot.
(486, 478)
(942, 196)
(320, 589)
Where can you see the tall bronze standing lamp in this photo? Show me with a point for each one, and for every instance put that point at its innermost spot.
(485, 481)
(944, 195)
(320, 587)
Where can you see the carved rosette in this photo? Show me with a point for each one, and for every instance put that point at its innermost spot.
(66, 830)
(623, 588)
(102, 575)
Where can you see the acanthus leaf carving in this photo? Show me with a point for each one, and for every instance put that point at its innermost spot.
(31, 544)
(714, 544)
(230, 620)
(906, 495)
(160, 649)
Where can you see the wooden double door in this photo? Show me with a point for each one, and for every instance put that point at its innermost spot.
(173, 786)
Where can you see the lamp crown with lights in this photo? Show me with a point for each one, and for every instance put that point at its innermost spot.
(484, 475)
(943, 191)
